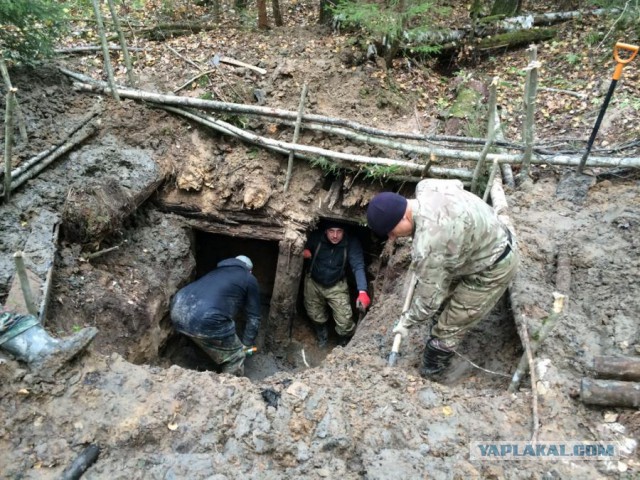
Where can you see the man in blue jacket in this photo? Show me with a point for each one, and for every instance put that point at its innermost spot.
(205, 311)
(330, 250)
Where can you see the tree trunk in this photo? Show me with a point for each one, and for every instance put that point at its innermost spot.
(277, 14)
(324, 15)
(263, 23)
(505, 7)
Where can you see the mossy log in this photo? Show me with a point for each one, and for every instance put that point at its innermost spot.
(516, 39)
(466, 109)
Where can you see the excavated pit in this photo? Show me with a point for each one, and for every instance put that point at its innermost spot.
(300, 350)
(497, 334)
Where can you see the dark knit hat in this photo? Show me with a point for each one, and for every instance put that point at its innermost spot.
(385, 212)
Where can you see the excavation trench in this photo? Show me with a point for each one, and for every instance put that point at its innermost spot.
(298, 348)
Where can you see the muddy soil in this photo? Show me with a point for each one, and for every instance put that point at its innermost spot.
(157, 409)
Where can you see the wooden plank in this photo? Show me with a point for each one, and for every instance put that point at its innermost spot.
(15, 300)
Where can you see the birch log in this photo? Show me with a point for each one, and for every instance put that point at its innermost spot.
(431, 152)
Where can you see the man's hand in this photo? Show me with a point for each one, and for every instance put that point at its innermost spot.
(306, 254)
(401, 329)
(363, 301)
(249, 350)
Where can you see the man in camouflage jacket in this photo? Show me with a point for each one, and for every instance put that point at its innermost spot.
(463, 258)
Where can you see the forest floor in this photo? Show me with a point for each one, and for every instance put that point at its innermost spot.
(310, 412)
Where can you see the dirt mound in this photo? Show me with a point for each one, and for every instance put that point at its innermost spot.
(306, 412)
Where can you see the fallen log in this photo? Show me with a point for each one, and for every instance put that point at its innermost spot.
(238, 63)
(174, 100)
(543, 332)
(621, 368)
(501, 25)
(90, 48)
(163, 31)
(85, 133)
(24, 166)
(611, 393)
(516, 39)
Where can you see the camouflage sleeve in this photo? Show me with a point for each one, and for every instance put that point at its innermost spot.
(431, 290)
(435, 252)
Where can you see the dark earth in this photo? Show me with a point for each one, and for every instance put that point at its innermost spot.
(189, 197)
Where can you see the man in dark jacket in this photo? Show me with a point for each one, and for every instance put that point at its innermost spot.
(205, 311)
(330, 250)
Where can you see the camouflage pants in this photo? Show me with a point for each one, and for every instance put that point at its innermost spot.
(473, 297)
(227, 353)
(336, 297)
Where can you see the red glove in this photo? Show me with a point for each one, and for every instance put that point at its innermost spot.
(306, 254)
(363, 301)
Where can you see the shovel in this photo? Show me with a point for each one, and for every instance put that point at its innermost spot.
(395, 349)
(574, 186)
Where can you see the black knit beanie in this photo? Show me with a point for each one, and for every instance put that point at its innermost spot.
(385, 212)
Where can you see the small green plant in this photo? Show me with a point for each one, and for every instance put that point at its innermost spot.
(442, 103)
(203, 81)
(207, 96)
(593, 38)
(375, 172)
(573, 58)
(328, 167)
(76, 328)
(394, 24)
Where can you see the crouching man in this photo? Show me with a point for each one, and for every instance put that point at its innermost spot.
(23, 337)
(205, 311)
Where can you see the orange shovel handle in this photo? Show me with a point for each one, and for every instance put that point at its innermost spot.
(623, 61)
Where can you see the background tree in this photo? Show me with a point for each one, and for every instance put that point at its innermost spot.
(29, 28)
(389, 24)
(263, 23)
(506, 7)
(277, 15)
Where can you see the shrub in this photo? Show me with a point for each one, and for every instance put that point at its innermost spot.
(29, 28)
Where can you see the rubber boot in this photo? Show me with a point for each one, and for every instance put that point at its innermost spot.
(322, 333)
(435, 359)
(37, 348)
(235, 367)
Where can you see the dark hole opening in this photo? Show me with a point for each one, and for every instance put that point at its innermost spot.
(209, 249)
(303, 330)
